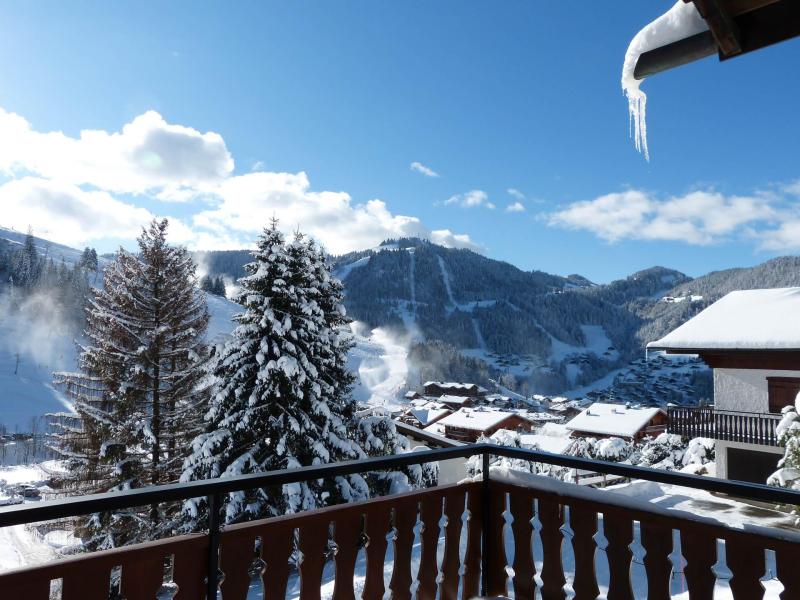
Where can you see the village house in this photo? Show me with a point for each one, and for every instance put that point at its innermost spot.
(751, 339)
(602, 420)
(424, 415)
(438, 388)
(468, 425)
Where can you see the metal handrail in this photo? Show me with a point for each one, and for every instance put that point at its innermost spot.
(82, 505)
(214, 490)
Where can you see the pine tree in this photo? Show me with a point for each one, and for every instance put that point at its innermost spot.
(142, 381)
(283, 394)
(88, 260)
(206, 283)
(26, 265)
(219, 287)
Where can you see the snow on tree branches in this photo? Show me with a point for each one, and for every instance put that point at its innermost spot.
(142, 385)
(283, 392)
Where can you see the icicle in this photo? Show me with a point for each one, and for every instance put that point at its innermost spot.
(679, 22)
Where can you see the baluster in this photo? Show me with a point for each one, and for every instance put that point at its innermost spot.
(497, 578)
(453, 510)
(657, 542)
(551, 516)
(189, 569)
(430, 513)
(237, 552)
(88, 580)
(378, 523)
(346, 536)
(142, 579)
(521, 506)
(584, 526)
(747, 566)
(312, 543)
(277, 543)
(619, 533)
(700, 552)
(787, 559)
(472, 556)
(405, 517)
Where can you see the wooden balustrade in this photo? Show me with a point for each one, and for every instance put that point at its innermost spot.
(590, 514)
(752, 428)
(538, 524)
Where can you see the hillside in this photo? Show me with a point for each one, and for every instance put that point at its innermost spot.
(423, 311)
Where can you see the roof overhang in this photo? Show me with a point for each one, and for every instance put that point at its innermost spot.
(782, 359)
(735, 27)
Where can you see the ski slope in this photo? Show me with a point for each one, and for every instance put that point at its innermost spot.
(30, 352)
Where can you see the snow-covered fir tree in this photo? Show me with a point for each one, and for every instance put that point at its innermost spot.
(283, 396)
(141, 386)
(788, 432)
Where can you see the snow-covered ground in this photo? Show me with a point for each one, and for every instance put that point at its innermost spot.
(30, 352)
(21, 546)
(379, 360)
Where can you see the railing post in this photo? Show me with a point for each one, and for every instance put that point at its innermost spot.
(486, 497)
(212, 587)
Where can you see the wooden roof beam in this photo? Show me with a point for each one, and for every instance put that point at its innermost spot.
(721, 24)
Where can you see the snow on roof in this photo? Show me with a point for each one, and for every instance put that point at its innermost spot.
(428, 415)
(743, 320)
(612, 419)
(479, 420)
(454, 399)
(454, 385)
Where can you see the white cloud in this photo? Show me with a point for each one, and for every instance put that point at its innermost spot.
(247, 202)
(258, 166)
(515, 193)
(515, 207)
(420, 168)
(471, 199)
(786, 238)
(148, 154)
(700, 217)
(67, 214)
(64, 188)
(793, 188)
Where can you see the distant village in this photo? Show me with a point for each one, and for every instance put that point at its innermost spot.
(466, 412)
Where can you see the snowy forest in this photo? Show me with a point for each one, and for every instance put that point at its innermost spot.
(156, 403)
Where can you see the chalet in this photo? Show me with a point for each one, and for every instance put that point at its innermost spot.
(751, 339)
(467, 425)
(456, 402)
(618, 420)
(438, 388)
(425, 415)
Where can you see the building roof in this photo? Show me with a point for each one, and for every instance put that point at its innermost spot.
(454, 385)
(447, 399)
(612, 419)
(428, 415)
(743, 320)
(731, 28)
(478, 420)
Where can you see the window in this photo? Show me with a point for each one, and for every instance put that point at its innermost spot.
(782, 392)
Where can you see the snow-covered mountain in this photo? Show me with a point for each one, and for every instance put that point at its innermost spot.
(425, 311)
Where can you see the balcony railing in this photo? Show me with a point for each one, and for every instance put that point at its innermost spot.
(703, 421)
(464, 534)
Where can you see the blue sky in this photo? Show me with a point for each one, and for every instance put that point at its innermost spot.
(490, 96)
